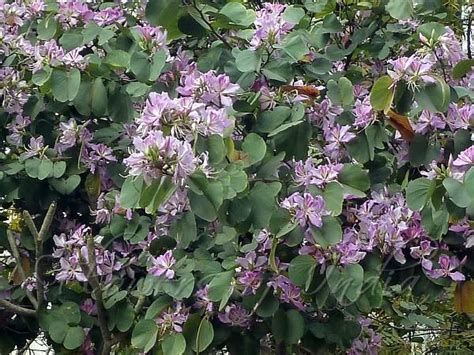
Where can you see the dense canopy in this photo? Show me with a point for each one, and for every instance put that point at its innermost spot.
(196, 176)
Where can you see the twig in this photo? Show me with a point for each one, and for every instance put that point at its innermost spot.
(17, 309)
(206, 21)
(468, 35)
(19, 266)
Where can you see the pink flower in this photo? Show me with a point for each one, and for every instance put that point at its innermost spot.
(465, 159)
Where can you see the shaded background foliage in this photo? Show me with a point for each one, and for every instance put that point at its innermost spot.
(205, 176)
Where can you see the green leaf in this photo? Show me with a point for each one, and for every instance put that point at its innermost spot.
(66, 186)
(47, 28)
(219, 285)
(301, 270)
(118, 59)
(173, 344)
(144, 334)
(288, 327)
(157, 63)
(434, 96)
(293, 14)
(65, 84)
(214, 145)
(140, 66)
(59, 169)
(98, 98)
(263, 200)
(57, 330)
(271, 120)
(181, 288)
(432, 30)
(421, 152)
(255, 147)
(238, 14)
(400, 10)
(124, 317)
(419, 192)
(70, 312)
(381, 95)
(284, 127)
(354, 176)
(462, 68)
(183, 230)
(207, 204)
(457, 193)
(157, 193)
(130, 192)
(204, 336)
(345, 283)
(164, 13)
(333, 197)
(116, 297)
(295, 47)
(248, 61)
(39, 168)
(71, 39)
(329, 234)
(74, 337)
(41, 76)
(136, 89)
(158, 306)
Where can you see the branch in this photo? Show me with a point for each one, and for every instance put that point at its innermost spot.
(19, 266)
(90, 271)
(17, 309)
(39, 238)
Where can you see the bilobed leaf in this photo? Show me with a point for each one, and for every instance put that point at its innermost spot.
(204, 336)
(400, 10)
(74, 337)
(381, 95)
(65, 84)
(457, 193)
(462, 68)
(98, 97)
(329, 234)
(144, 334)
(248, 61)
(255, 147)
(301, 269)
(419, 192)
(173, 344)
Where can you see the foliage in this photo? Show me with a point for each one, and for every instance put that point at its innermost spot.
(187, 177)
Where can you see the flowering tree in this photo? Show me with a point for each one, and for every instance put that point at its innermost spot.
(205, 176)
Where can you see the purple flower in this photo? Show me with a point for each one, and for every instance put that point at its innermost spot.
(306, 208)
(89, 306)
(163, 265)
(423, 252)
(447, 265)
(109, 16)
(287, 291)
(251, 261)
(335, 136)
(306, 173)
(173, 319)
(460, 117)
(203, 300)
(97, 155)
(411, 69)
(429, 121)
(251, 280)
(235, 315)
(151, 38)
(157, 155)
(465, 159)
(35, 148)
(270, 25)
(364, 115)
(70, 270)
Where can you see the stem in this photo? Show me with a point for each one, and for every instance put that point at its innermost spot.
(19, 267)
(273, 264)
(17, 309)
(260, 301)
